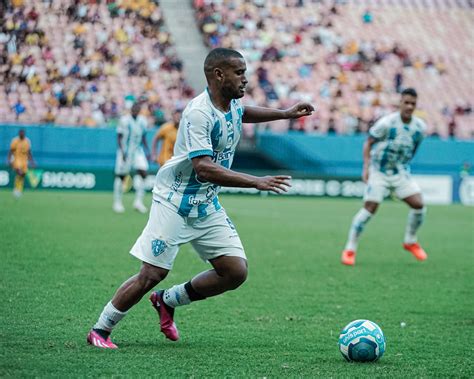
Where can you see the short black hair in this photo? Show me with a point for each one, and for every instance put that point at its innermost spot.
(410, 92)
(217, 57)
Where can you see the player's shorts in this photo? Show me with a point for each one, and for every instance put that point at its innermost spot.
(211, 236)
(380, 185)
(20, 164)
(136, 161)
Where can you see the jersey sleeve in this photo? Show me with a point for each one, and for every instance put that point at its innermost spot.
(198, 134)
(420, 134)
(379, 130)
(13, 144)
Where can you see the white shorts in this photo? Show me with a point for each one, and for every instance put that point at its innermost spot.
(211, 236)
(380, 185)
(136, 161)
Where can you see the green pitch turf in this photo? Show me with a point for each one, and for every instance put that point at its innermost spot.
(64, 254)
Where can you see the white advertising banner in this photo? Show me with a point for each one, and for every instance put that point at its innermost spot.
(436, 189)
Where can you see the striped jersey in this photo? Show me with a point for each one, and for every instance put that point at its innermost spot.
(203, 130)
(396, 143)
(132, 131)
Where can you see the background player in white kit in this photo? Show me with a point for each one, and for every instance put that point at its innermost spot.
(131, 136)
(392, 143)
(185, 205)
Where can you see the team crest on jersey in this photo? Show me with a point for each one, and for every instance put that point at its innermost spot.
(158, 247)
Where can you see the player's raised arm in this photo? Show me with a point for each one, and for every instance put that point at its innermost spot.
(208, 171)
(261, 114)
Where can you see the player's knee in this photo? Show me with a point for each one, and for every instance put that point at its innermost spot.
(371, 206)
(418, 205)
(237, 276)
(150, 276)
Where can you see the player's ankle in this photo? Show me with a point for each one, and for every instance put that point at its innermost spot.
(101, 332)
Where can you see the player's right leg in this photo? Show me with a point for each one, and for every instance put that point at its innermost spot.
(19, 182)
(373, 196)
(122, 169)
(361, 218)
(118, 194)
(128, 294)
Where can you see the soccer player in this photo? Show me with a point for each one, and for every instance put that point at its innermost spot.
(392, 143)
(167, 134)
(131, 137)
(185, 204)
(18, 157)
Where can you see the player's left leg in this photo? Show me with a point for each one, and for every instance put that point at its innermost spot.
(409, 191)
(139, 184)
(228, 273)
(140, 164)
(416, 216)
(217, 241)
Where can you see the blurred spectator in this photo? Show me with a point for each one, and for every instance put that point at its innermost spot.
(398, 80)
(49, 117)
(367, 17)
(79, 60)
(313, 50)
(19, 109)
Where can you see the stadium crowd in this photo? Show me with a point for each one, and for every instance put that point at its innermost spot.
(338, 55)
(82, 62)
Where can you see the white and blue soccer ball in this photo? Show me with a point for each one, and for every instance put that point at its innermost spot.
(362, 341)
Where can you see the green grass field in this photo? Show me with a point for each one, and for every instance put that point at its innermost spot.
(64, 254)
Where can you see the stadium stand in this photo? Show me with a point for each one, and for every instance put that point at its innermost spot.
(80, 62)
(351, 58)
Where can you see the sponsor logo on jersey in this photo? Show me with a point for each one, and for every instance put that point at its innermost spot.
(221, 156)
(177, 181)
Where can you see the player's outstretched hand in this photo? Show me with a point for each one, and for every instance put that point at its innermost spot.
(277, 184)
(299, 110)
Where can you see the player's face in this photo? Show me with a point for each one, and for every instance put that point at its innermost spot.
(21, 134)
(234, 79)
(176, 118)
(136, 110)
(407, 106)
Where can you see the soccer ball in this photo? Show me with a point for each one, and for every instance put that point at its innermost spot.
(362, 341)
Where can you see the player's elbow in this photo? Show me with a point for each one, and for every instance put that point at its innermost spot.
(203, 169)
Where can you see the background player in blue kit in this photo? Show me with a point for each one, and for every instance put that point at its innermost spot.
(131, 139)
(185, 204)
